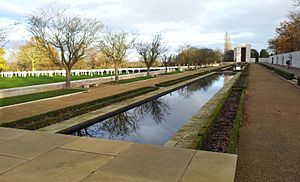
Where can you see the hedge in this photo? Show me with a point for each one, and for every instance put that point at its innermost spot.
(287, 75)
(178, 80)
(56, 116)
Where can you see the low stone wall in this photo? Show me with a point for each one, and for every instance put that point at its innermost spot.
(186, 136)
(10, 92)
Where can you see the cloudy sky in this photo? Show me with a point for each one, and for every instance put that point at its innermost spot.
(197, 22)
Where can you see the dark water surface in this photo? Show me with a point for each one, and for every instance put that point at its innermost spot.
(154, 122)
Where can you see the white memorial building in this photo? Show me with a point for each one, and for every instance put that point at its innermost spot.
(242, 53)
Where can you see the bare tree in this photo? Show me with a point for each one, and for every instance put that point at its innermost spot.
(70, 35)
(149, 52)
(4, 32)
(166, 60)
(114, 46)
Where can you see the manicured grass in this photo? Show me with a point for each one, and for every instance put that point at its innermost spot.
(133, 79)
(172, 73)
(36, 96)
(28, 81)
(56, 116)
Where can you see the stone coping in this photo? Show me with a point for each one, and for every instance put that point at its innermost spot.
(186, 136)
(33, 156)
(108, 111)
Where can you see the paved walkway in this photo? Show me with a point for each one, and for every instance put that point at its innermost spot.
(269, 145)
(41, 157)
(296, 71)
(104, 90)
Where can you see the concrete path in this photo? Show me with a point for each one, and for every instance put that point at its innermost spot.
(269, 145)
(38, 156)
(104, 90)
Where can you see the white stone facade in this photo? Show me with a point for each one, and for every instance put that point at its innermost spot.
(281, 59)
(239, 57)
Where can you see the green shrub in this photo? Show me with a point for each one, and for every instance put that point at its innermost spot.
(182, 79)
(178, 80)
(56, 116)
(285, 74)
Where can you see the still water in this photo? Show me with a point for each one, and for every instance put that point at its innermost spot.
(154, 122)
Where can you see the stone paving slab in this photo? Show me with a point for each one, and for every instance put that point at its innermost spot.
(9, 133)
(150, 162)
(99, 176)
(55, 157)
(96, 145)
(58, 165)
(8, 163)
(33, 144)
(205, 165)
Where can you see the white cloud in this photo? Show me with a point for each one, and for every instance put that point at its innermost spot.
(196, 22)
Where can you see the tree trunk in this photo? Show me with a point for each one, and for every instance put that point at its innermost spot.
(166, 70)
(32, 66)
(148, 71)
(68, 78)
(116, 73)
(188, 66)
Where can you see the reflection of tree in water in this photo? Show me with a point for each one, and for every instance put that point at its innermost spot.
(203, 83)
(157, 108)
(124, 124)
(118, 126)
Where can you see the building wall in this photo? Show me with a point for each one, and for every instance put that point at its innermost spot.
(281, 59)
(238, 53)
(263, 60)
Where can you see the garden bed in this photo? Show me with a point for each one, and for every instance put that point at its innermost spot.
(53, 117)
(222, 131)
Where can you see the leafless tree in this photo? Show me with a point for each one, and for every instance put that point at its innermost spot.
(114, 46)
(149, 52)
(70, 35)
(4, 32)
(166, 60)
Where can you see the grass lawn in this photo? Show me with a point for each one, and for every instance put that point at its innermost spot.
(134, 79)
(36, 96)
(28, 81)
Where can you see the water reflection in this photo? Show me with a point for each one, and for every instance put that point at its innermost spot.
(156, 121)
(205, 83)
(122, 125)
(157, 109)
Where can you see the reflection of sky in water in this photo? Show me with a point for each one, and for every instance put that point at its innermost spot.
(156, 121)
